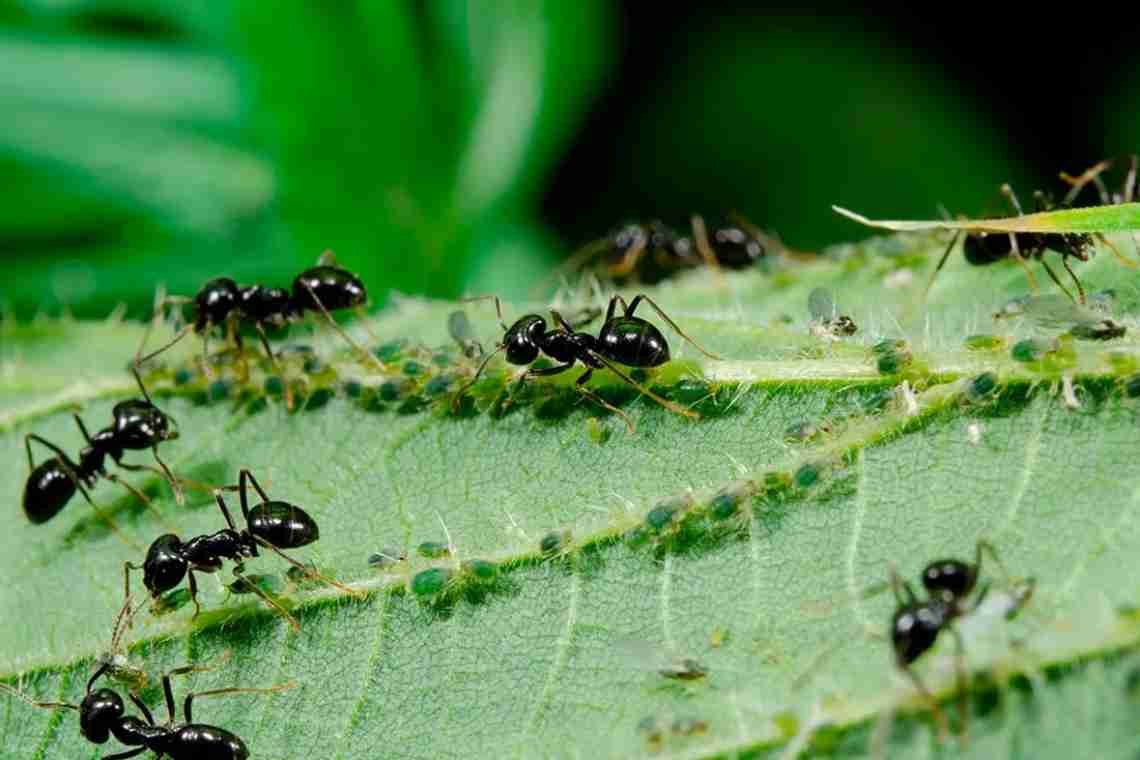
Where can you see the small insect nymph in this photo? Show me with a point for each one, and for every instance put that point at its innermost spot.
(138, 424)
(102, 714)
(624, 339)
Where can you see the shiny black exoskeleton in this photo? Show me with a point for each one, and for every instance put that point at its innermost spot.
(916, 623)
(102, 715)
(222, 302)
(984, 248)
(652, 251)
(138, 424)
(624, 339)
(274, 525)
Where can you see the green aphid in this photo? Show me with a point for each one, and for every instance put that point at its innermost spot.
(312, 365)
(688, 726)
(807, 475)
(274, 386)
(727, 501)
(894, 362)
(984, 343)
(1132, 386)
(598, 432)
(171, 601)
(804, 430)
(183, 376)
(438, 385)
(1104, 329)
(353, 389)
(251, 584)
(889, 346)
(393, 389)
(1121, 361)
(777, 482)
(981, 388)
(307, 576)
(433, 550)
(684, 669)
(651, 730)
(667, 512)
(554, 541)
(431, 581)
(412, 368)
(481, 569)
(390, 351)
(1031, 349)
(442, 359)
(219, 390)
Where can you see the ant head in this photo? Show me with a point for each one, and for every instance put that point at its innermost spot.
(951, 579)
(214, 302)
(98, 711)
(628, 236)
(523, 338)
(1079, 245)
(140, 424)
(915, 627)
(164, 567)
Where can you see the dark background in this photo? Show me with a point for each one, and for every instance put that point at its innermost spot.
(447, 147)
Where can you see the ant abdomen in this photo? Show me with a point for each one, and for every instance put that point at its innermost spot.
(633, 342)
(283, 525)
(915, 628)
(983, 249)
(47, 491)
(332, 286)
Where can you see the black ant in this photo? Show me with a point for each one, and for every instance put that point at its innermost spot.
(324, 288)
(274, 525)
(101, 716)
(139, 424)
(623, 339)
(654, 251)
(916, 624)
(983, 248)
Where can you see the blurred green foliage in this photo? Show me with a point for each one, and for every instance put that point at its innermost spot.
(160, 140)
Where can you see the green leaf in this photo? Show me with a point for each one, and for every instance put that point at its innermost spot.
(1122, 217)
(745, 541)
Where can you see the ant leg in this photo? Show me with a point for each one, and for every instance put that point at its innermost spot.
(479, 371)
(1011, 196)
(642, 297)
(193, 583)
(242, 477)
(187, 705)
(960, 679)
(34, 703)
(307, 569)
(630, 258)
(901, 587)
(1100, 238)
(1077, 183)
(936, 711)
(177, 337)
(137, 494)
(941, 263)
(675, 408)
(276, 367)
(340, 331)
(489, 297)
(1054, 278)
(177, 489)
(1076, 280)
(580, 384)
(225, 511)
(701, 241)
(142, 707)
(269, 601)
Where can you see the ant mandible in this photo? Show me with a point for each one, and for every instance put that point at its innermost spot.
(274, 525)
(324, 288)
(139, 424)
(623, 339)
(102, 715)
(915, 624)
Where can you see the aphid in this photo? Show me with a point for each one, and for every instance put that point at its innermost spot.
(623, 339)
(274, 525)
(386, 558)
(138, 424)
(221, 302)
(653, 657)
(916, 623)
(102, 715)
(460, 330)
(826, 322)
(433, 550)
(984, 248)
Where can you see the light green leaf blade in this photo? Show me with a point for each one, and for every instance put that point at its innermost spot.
(537, 664)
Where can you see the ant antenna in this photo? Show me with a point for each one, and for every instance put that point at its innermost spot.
(941, 263)
(482, 365)
(21, 695)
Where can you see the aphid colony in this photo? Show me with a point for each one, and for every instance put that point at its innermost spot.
(645, 252)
